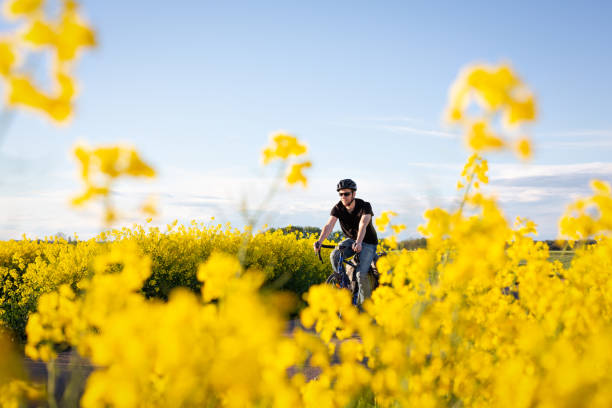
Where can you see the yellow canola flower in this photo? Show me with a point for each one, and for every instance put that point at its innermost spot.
(67, 37)
(494, 88)
(492, 84)
(398, 228)
(8, 57)
(475, 168)
(525, 226)
(101, 165)
(497, 90)
(39, 33)
(217, 275)
(296, 175)
(282, 145)
(20, 8)
(591, 216)
(480, 138)
(58, 106)
(520, 110)
(90, 193)
(383, 220)
(524, 149)
(64, 35)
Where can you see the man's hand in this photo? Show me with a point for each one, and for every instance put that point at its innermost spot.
(317, 247)
(357, 247)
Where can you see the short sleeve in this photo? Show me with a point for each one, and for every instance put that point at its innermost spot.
(334, 212)
(367, 208)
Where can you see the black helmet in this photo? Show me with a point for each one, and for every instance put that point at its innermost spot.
(346, 183)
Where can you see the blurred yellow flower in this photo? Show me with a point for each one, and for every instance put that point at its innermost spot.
(398, 228)
(101, 166)
(523, 147)
(58, 107)
(282, 145)
(475, 167)
(217, 275)
(384, 219)
(7, 57)
(591, 216)
(499, 93)
(480, 138)
(39, 33)
(19, 8)
(66, 37)
(296, 175)
(520, 110)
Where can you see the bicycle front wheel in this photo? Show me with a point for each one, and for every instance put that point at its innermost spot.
(334, 281)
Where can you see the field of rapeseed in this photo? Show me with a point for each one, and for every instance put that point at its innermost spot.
(196, 315)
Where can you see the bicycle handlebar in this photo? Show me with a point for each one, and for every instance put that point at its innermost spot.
(324, 246)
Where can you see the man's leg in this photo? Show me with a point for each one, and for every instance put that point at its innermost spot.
(365, 260)
(346, 248)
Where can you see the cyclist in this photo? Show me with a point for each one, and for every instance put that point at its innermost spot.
(355, 217)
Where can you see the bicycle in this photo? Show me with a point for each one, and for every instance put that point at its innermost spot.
(340, 278)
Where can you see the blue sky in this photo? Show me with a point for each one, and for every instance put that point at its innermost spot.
(198, 86)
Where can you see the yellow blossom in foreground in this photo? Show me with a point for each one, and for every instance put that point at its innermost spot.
(19, 8)
(524, 149)
(578, 222)
(282, 145)
(8, 57)
(497, 90)
(101, 166)
(58, 106)
(480, 138)
(66, 37)
(384, 219)
(474, 172)
(296, 175)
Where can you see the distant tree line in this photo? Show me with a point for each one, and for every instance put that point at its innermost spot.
(411, 244)
(555, 245)
(337, 236)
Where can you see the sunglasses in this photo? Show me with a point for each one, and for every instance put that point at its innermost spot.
(345, 194)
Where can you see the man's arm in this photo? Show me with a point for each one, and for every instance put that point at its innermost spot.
(327, 229)
(363, 223)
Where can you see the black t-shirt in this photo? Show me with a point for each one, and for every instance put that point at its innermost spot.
(349, 221)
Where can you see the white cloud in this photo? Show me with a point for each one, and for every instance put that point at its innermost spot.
(518, 171)
(392, 119)
(578, 144)
(418, 131)
(578, 133)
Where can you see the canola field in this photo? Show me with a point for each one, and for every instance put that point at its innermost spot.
(162, 328)
(196, 315)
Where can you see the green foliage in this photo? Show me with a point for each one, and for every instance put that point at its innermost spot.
(412, 244)
(565, 257)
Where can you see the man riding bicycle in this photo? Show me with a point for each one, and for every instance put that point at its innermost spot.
(355, 217)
